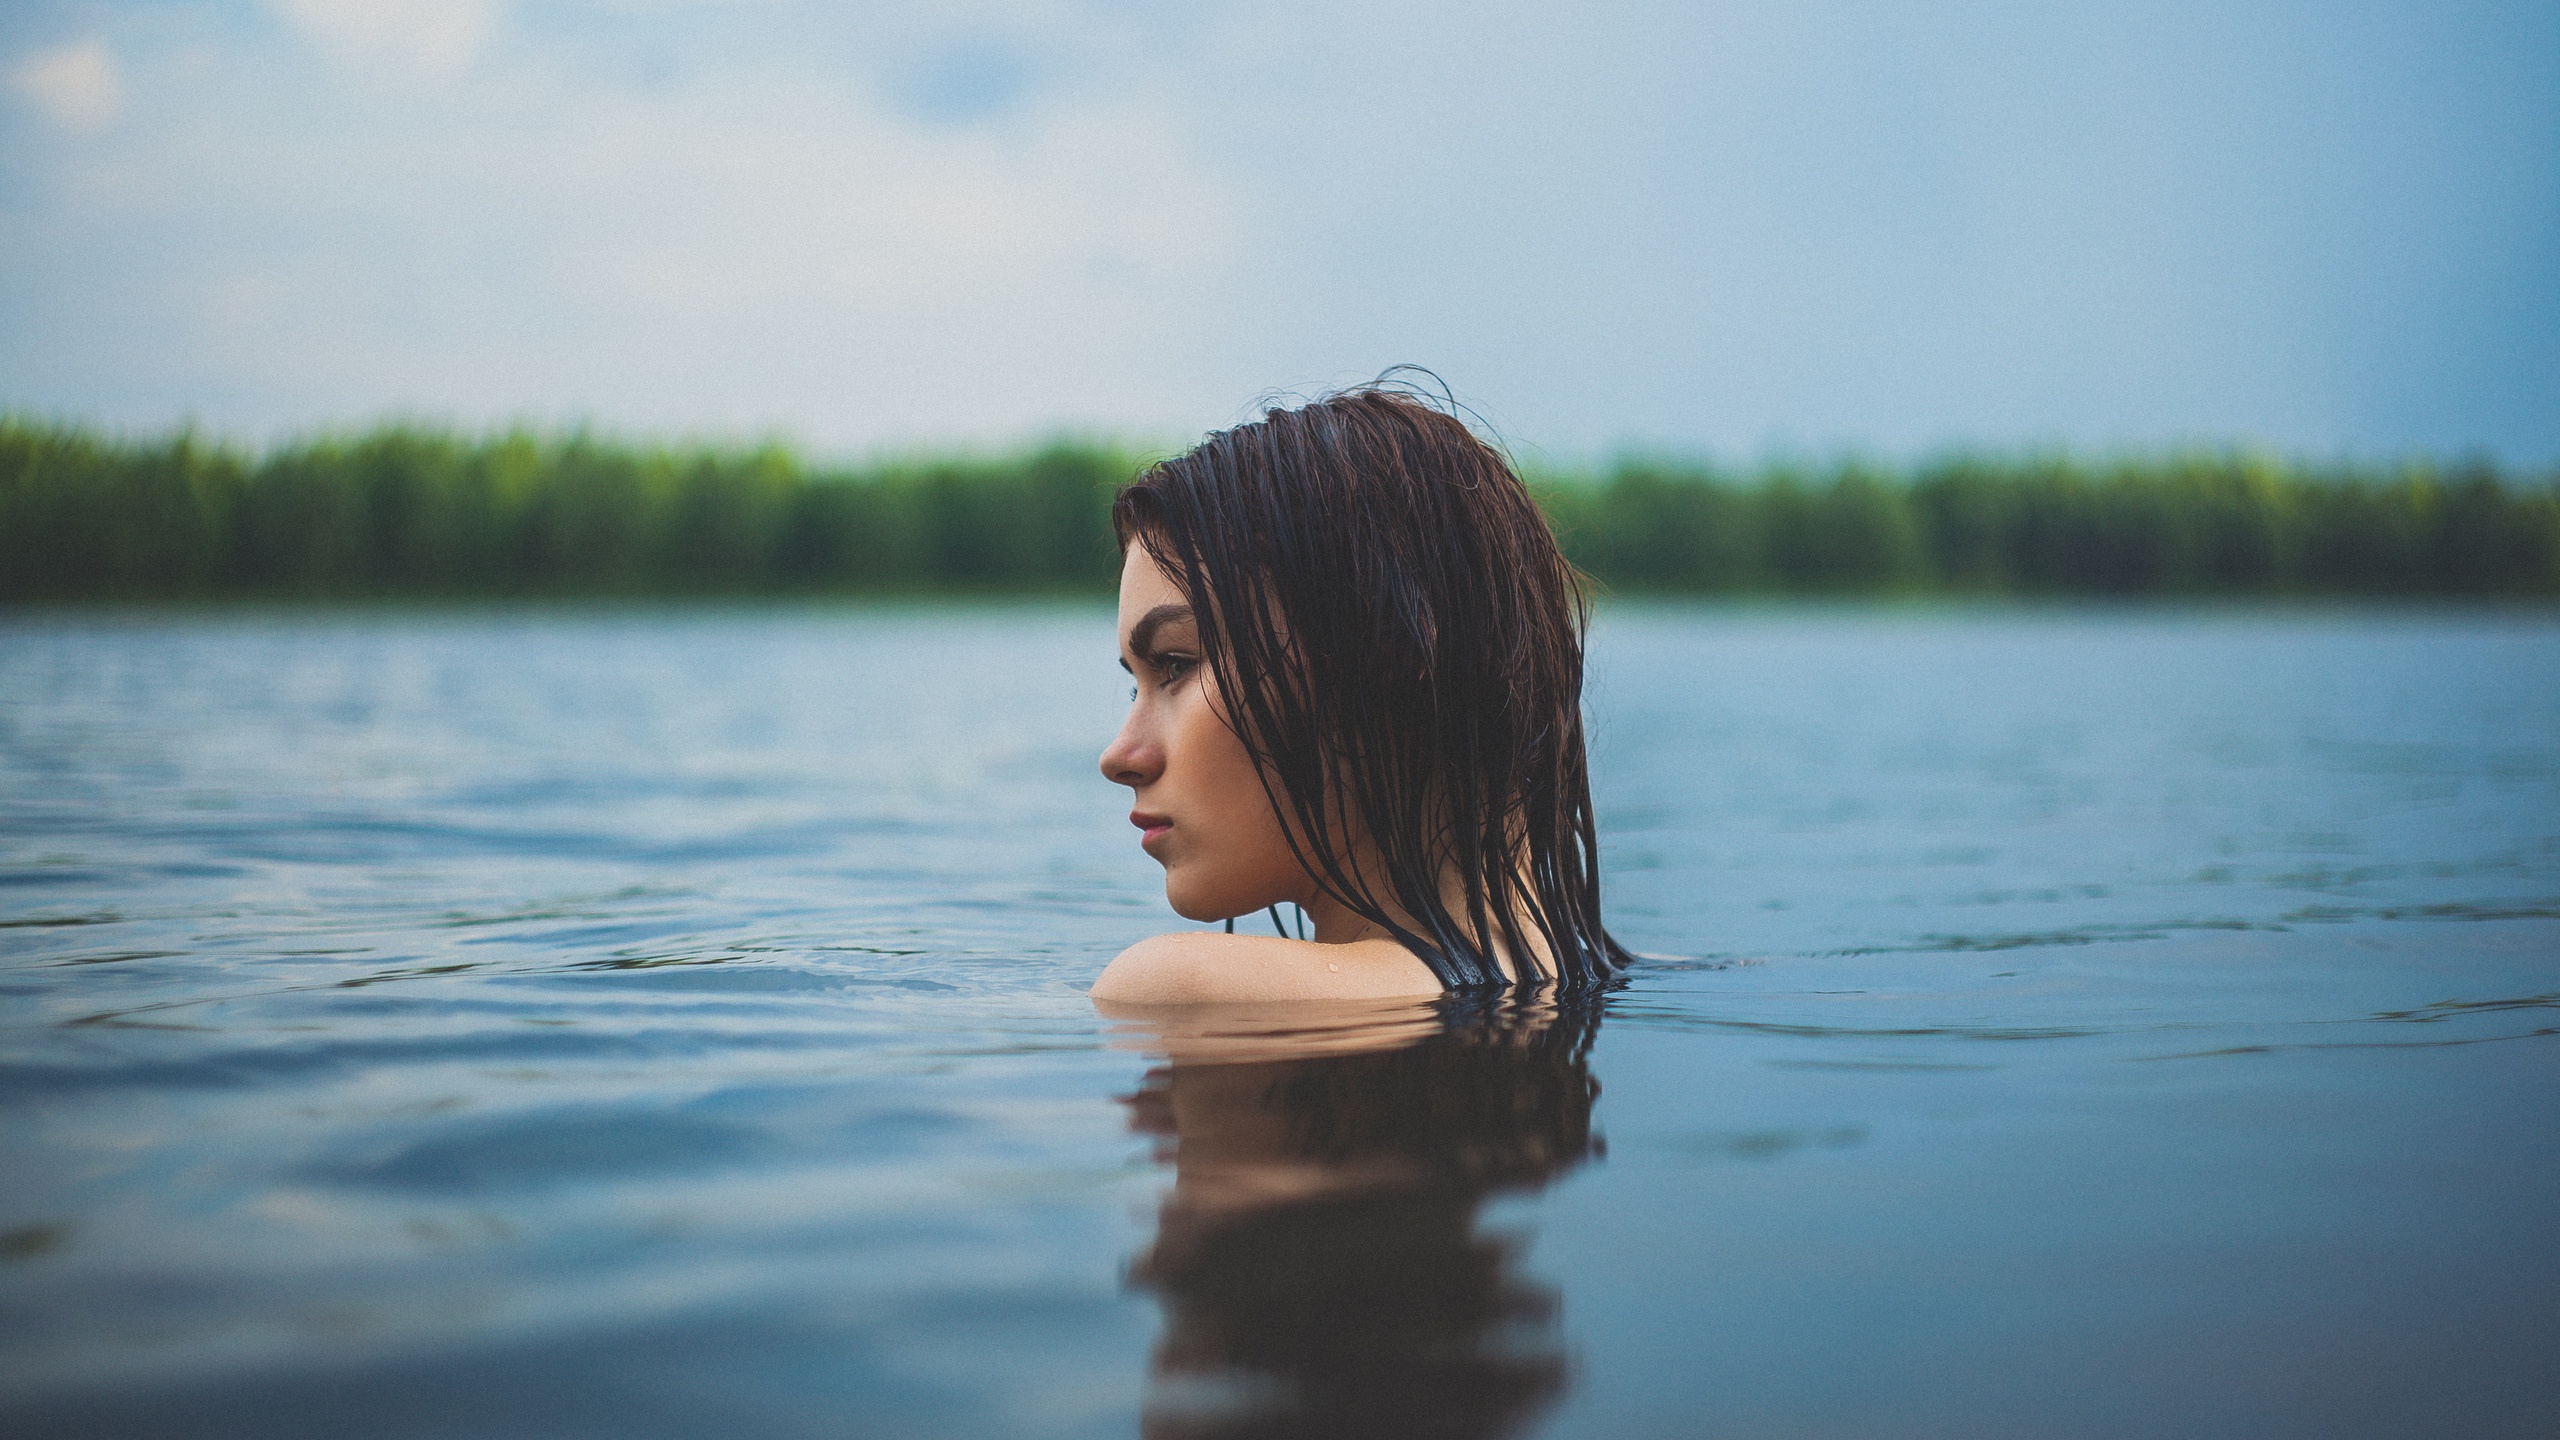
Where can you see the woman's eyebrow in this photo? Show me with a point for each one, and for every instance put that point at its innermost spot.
(1143, 634)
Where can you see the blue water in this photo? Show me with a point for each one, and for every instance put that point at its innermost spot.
(635, 1022)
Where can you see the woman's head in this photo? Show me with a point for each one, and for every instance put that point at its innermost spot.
(1369, 690)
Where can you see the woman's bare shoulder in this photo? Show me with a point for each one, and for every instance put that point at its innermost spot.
(1193, 966)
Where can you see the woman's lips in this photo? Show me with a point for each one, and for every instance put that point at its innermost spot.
(1155, 826)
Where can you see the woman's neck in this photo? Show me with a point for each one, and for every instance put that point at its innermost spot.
(1338, 924)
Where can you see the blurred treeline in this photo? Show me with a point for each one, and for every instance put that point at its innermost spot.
(413, 511)
(409, 511)
(2179, 524)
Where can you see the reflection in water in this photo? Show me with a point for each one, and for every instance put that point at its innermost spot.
(1318, 1258)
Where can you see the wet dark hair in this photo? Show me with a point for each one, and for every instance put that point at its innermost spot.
(1398, 641)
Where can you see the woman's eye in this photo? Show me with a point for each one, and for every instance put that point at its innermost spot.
(1173, 667)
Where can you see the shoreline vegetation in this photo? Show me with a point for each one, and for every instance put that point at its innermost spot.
(407, 511)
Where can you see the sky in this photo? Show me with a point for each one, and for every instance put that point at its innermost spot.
(2327, 229)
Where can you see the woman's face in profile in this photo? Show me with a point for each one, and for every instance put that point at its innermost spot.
(1199, 798)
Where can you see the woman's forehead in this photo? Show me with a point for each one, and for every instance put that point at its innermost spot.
(1144, 588)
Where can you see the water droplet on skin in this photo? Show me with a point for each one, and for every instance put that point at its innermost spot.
(1336, 969)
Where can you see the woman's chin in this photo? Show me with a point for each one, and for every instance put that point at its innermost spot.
(1192, 903)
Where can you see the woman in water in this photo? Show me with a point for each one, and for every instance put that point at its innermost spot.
(1358, 664)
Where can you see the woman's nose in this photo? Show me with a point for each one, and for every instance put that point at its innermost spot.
(1132, 758)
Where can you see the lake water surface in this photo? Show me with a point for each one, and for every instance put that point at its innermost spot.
(666, 1022)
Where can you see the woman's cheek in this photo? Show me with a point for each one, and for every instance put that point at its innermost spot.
(1215, 876)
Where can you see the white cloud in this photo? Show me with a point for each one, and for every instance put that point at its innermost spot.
(77, 85)
(724, 245)
(432, 38)
(706, 208)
